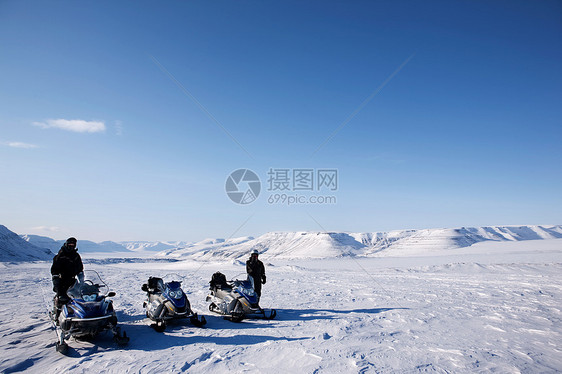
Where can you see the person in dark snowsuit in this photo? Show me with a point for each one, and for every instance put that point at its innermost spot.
(67, 264)
(256, 270)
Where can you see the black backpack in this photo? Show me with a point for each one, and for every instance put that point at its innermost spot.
(153, 285)
(218, 280)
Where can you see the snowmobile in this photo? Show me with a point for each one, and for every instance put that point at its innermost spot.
(166, 301)
(236, 299)
(88, 312)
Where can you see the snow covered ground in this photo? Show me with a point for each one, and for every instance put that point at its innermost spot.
(493, 306)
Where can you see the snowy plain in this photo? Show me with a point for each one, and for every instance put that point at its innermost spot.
(493, 306)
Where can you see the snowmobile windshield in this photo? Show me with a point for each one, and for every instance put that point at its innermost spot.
(174, 289)
(90, 289)
(172, 285)
(245, 287)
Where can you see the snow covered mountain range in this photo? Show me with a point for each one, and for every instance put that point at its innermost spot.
(288, 245)
(14, 248)
(83, 245)
(86, 246)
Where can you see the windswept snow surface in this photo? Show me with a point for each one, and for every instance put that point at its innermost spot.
(493, 306)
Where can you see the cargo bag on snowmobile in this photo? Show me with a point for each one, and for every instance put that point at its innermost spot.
(218, 280)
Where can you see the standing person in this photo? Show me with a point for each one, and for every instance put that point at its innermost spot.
(256, 270)
(67, 264)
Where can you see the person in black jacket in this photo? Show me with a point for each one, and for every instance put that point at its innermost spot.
(67, 264)
(256, 270)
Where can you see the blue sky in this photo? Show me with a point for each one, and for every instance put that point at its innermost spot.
(466, 133)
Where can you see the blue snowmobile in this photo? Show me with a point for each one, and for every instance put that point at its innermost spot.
(166, 301)
(88, 312)
(236, 299)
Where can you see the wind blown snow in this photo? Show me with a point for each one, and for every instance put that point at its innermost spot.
(493, 306)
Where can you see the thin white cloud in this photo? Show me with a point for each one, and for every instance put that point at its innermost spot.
(76, 125)
(118, 128)
(20, 145)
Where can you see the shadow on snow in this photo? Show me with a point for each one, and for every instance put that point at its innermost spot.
(145, 338)
(313, 314)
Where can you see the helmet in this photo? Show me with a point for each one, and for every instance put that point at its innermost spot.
(254, 252)
(70, 245)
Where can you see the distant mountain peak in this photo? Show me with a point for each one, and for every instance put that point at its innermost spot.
(84, 246)
(14, 248)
